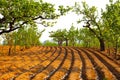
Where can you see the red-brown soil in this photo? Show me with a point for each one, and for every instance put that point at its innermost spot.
(58, 63)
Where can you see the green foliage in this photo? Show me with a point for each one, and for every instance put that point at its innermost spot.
(49, 43)
(28, 37)
(25, 36)
(104, 27)
(111, 19)
(75, 37)
(93, 22)
(8, 39)
(72, 35)
(17, 13)
(63, 10)
(86, 38)
(59, 34)
(89, 13)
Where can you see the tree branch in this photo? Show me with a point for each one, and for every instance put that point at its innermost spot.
(88, 26)
(7, 31)
(11, 28)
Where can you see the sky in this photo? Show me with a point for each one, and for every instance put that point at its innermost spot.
(67, 20)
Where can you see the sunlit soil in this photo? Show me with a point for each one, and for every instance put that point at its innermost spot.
(56, 63)
(104, 69)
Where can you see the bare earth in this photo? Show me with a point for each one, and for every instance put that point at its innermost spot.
(58, 63)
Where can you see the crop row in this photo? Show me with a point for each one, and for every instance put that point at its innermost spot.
(59, 63)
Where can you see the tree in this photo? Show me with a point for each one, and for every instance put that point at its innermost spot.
(86, 38)
(17, 13)
(26, 36)
(72, 35)
(8, 39)
(21, 36)
(111, 19)
(93, 22)
(60, 36)
(49, 43)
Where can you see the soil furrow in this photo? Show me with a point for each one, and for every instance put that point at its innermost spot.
(77, 66)
(100, 74)
(52, 68)
(89, 72)
(113, 70)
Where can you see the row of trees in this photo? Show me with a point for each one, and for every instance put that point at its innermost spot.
(25, 37)
(68, 36)
(74, 37)
(102, 29)
(106, 27)
(99, 29)
(15, 15)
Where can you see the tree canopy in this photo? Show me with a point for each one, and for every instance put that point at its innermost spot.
(59, 36)
(93, 21)
(17, 13)
(103, 27)
(25, 36)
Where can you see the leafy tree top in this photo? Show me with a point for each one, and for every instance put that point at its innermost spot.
(59, 34)
(17, 13)
(111, 17)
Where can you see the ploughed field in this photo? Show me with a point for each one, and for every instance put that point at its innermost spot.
(59, 63)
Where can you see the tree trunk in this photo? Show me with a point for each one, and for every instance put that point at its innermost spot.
(102, 44)
(60, 43)
(66, 42)
(101, 40)
(10, 49)
(116, 48)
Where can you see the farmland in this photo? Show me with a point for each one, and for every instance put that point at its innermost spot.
(86, 49)
(54, 63)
